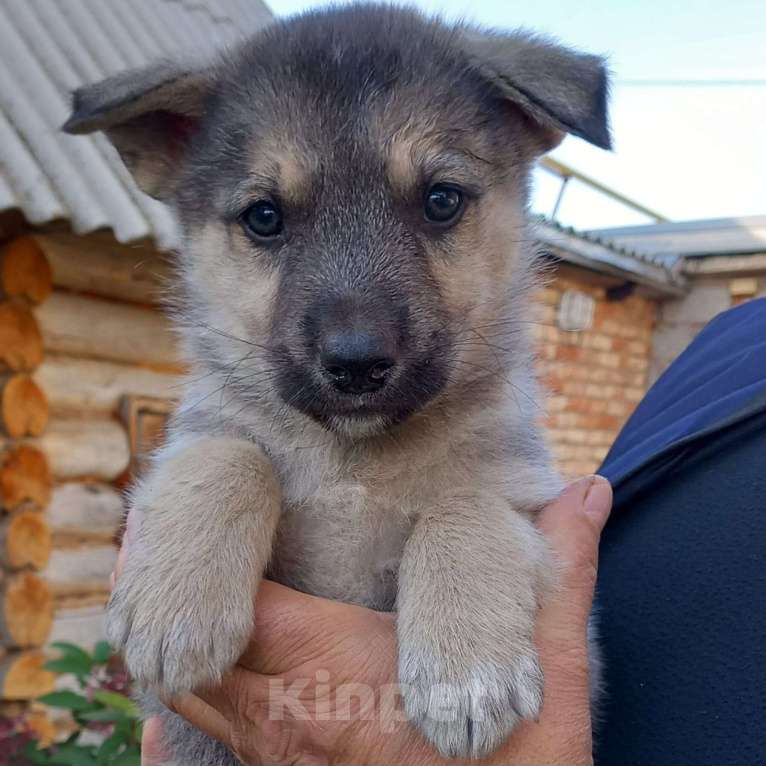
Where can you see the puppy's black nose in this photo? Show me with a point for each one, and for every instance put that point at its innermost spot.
(356, 362)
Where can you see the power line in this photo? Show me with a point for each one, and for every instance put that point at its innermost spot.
(693, 83)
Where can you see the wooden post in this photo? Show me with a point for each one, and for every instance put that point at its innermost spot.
(26, 602)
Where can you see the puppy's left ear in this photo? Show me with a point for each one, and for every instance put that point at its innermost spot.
(562, 90)
(150, 116)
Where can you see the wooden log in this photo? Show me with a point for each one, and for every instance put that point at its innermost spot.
(95, 328)
(90, 387)
(25, 538)
(89, 595)
(100, 266)
(23, 407)
(22, 676)
(27, 612)
(86, 449)
(25, 477)
(90, 506)
(86, 568)
(83, 626)
(24, 271)
(79, 577)
(21, 343)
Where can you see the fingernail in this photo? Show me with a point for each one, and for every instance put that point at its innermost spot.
(598, 500)
(579, 488)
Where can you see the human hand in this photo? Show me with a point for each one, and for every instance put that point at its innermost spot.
(317, 685)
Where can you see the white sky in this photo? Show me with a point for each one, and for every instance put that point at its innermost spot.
(687, 151)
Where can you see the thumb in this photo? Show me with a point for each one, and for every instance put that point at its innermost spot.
(572, 524)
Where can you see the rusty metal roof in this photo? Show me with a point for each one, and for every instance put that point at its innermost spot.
(50, 47)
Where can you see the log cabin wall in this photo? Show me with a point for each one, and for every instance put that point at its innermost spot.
(26, 607)
(81, 336)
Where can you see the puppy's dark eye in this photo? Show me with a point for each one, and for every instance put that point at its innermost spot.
(443, 203)
(262, 219)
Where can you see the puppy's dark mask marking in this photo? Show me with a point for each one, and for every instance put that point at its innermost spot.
(344, 121)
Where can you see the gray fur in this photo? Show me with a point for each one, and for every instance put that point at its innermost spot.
(557, 87)
(422, 496)
(149, 115)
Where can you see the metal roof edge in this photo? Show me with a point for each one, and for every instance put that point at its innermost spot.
(692, 239)
(581, 250)
(747, 221)
(733, 264)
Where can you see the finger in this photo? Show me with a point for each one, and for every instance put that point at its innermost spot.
(152, 748)
(239, 690)
(283, 619)
(202, 715)
(260, 730)
(293, 628)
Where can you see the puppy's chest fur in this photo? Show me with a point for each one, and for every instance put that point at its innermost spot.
(344, 524)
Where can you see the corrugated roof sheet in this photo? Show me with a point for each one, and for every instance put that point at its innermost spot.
(50, 47)
(716, 236)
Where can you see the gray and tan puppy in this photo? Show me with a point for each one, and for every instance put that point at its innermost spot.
(359, 421)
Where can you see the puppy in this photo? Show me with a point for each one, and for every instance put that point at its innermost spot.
(359, 421)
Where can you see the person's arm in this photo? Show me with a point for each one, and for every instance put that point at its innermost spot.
(317, 683)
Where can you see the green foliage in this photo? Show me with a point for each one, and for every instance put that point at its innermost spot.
(107, 724)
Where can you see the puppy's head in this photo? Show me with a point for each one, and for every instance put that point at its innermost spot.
(351, 187)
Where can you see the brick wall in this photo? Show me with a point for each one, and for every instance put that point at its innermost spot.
(594, 377)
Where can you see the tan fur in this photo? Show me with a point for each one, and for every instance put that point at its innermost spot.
(287, 162)
(417, 492)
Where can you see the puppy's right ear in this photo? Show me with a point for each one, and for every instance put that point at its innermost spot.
(149, 115)
(562, 90)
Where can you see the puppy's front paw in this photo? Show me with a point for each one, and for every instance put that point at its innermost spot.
(177, 635)
(468, 712)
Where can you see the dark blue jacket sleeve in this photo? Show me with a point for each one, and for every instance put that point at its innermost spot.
(720, 377)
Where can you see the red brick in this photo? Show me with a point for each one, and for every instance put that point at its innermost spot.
(568, 353)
